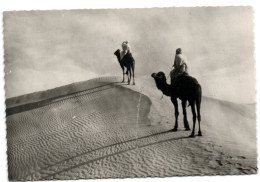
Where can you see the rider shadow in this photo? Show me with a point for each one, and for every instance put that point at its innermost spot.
(113, 154)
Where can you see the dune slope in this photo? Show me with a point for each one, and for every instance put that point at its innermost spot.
(105, 129)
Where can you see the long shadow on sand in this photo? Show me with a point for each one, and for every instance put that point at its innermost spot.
(116, 153)
(100, 148)
(26, 107)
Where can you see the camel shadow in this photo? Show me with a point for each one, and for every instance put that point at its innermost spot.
(114, 154)
(107, 146)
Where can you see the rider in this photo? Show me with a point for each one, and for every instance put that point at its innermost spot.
(126, 49)
(179, 66)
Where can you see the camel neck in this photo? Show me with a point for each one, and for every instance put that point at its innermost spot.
(118, 56)
(164, 87)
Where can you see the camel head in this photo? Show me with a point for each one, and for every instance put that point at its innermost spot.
(117, 52)
(160, 81)
(159, 77)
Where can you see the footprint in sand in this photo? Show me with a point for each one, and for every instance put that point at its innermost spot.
(245, 170)
(241, 157)
(206, 150)
(219, 162)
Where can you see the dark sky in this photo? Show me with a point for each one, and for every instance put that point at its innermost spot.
(46, 49)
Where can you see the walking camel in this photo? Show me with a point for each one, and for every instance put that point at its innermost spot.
(189, 90)
(128, 62)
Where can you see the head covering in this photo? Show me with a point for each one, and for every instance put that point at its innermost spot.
(178, 51)
(126, 46)
(125, 43)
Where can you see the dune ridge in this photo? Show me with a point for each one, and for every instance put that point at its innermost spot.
(58, 91)
(105, 129)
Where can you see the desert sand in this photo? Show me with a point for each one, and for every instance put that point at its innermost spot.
(102, 128)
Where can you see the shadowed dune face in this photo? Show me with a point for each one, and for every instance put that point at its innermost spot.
(71, 125)
(111, 130)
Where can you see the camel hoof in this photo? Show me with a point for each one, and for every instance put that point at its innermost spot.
(199, 134)
(174, 129)
(191, 136)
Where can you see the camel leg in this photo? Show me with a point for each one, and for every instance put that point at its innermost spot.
(186, 123)
(123, 75)
(133, 69)
(175, 103)
(199, 118)
(129, 76)
(194, 119)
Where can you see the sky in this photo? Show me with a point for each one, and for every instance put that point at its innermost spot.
(47, 49)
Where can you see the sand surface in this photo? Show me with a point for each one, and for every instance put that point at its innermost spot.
(105, 129)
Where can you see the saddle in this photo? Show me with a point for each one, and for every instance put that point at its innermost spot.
(177, 79)
(128, 59)
(175, 75)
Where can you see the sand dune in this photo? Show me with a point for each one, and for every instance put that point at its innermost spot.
(105, 129)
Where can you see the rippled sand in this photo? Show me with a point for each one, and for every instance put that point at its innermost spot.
(105, 129)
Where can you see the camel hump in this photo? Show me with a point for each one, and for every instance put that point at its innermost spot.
(177, 75)
(183, 79)
(129, 58)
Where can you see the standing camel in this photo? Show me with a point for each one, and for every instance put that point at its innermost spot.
(189, 90)
(128, 62)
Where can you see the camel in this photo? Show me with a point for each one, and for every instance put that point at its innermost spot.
(189, 90)
(128, 62)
